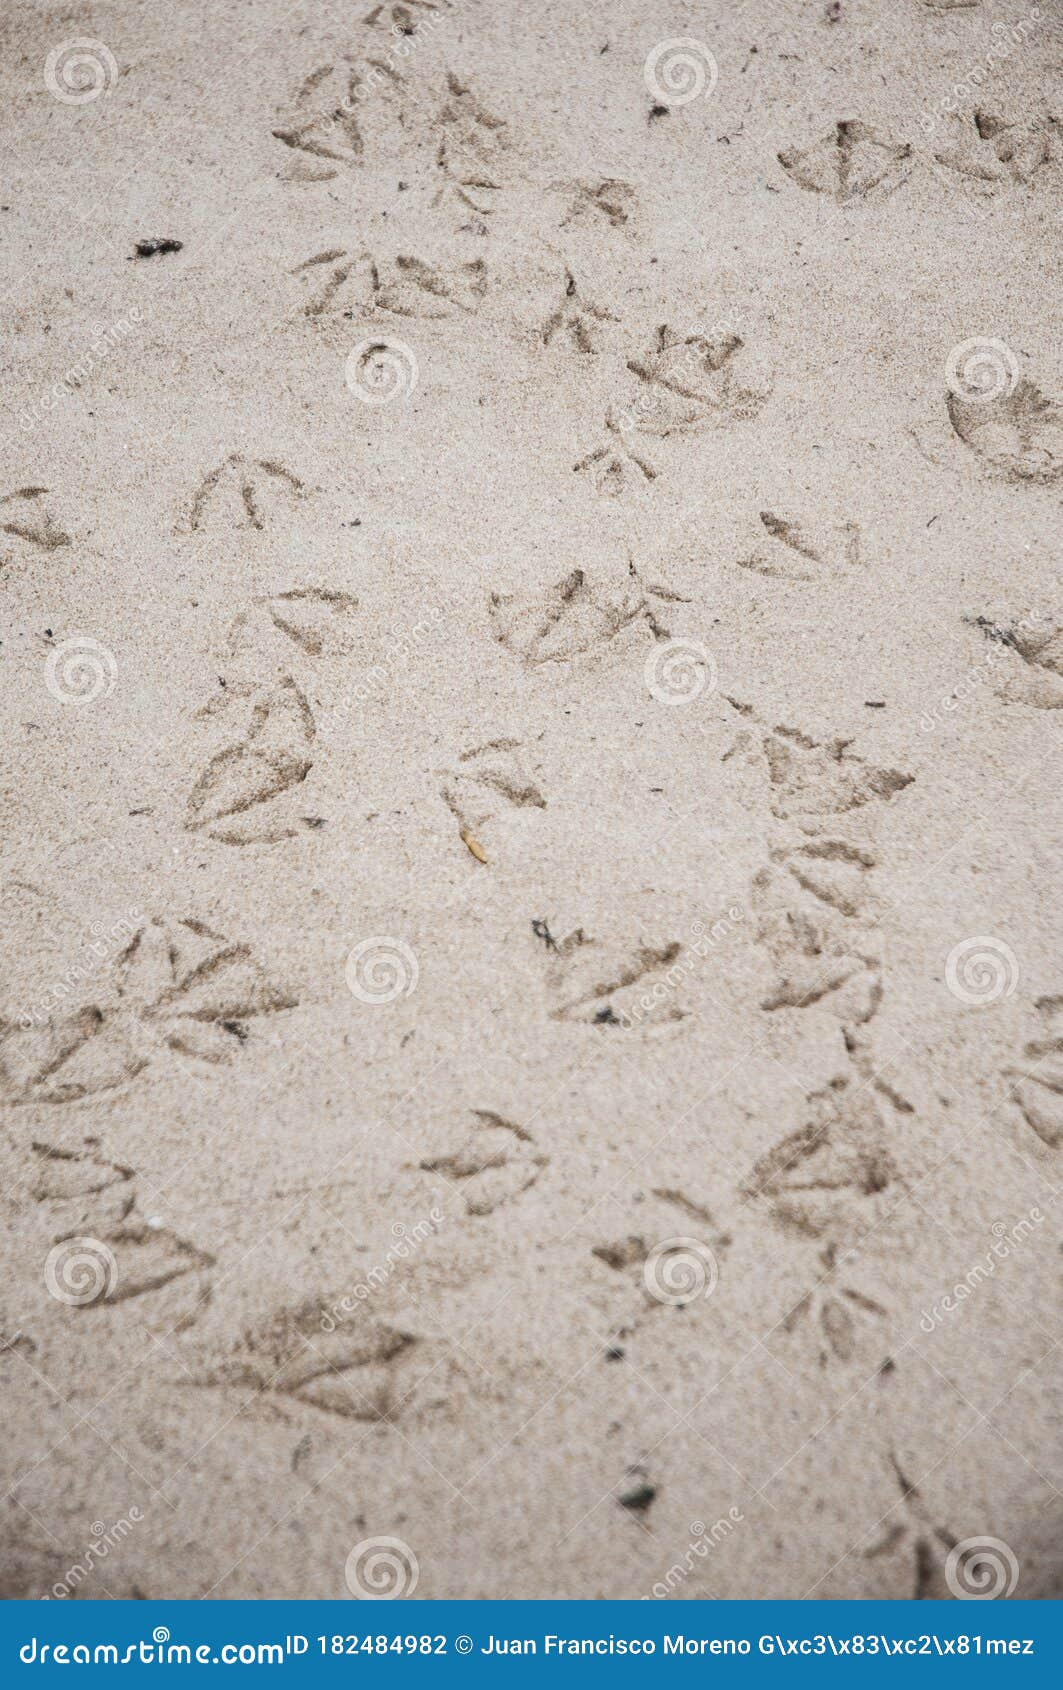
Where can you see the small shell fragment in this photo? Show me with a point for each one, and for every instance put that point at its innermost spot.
(473, 845)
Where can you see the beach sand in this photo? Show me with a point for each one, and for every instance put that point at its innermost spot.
(532, 1047)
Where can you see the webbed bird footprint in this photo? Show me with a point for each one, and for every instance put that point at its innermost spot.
(81, 1188)
(613, 201)
(472, 151)
(343, 1365)
(241, 492)
(576, 318)
(691, 380)
(325, 121)
(1018, 433)
(317, 620)
(570, 617)
(486, 774)
(836, 1307)
(25, 517)
(148, 1257)
(495, 1163)
(823, 777)
(826, 1178)
(795, 551)
(988, 152)
(850, 162)
(616, 983)
(248, 791)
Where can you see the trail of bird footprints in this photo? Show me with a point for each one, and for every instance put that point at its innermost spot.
(855, 162)
(177, 987)
(183, 992)
(356, 285)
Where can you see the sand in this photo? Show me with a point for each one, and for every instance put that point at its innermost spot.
(532, 1055)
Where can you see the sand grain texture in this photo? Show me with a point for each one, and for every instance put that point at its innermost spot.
(532, 653)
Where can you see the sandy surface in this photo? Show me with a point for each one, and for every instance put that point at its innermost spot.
(532, 654)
